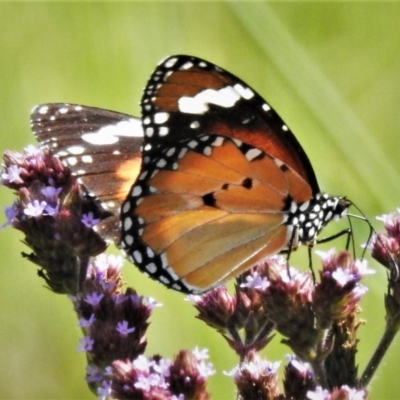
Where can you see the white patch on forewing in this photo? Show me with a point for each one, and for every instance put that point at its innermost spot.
(225, 97)
(110, 133)
(171, 62)
(245, 92)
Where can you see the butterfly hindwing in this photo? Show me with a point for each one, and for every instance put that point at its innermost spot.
(196, 227)
(102, 147)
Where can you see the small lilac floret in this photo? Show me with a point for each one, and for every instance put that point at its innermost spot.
(86, 323)
(104, 390)
(32, 151)
(34, 208)
(318, 394)
(342, 276)
(86, 344)
(51, 193)
(12, 174)
(94, 298)
(362, 268)
(89, 220)
(122, 328)
(11, 212)
(255, 281)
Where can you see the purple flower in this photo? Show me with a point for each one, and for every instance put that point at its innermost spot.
(342, 276)
(205, 369)
(162, 367)
(12, 174)
(255, 281)
(93, 374)
(11, 212)
(104, 391)
(256, 378)
(51, 193)
(150, 303)
(89, 220)
(32, 151)
(94, 298)
(34, 208)
(152, 380)
(362, 268)
(105, 261)
(344, 392)
(51, 210)
(180, 397)
(318, 394)
(142, 363)
(86, 344)
(200, 355)
(122, 328)
(86, 323)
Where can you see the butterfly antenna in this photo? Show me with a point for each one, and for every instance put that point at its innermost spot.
(350, 237)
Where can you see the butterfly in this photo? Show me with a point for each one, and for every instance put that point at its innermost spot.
(210, 181)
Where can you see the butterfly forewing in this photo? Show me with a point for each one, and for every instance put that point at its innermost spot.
(198, 96)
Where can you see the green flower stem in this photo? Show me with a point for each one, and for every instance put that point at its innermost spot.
(392, 327)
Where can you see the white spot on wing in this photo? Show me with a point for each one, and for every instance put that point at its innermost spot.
(126, 207)
(151, 268)
(110, 133)
(43, 110)
(127, 223)
(128, 239)
(161, 163)
(163, 131)
(72, 161)
(171, 62)
(161, 117)
(137, 191)
(246, 93)
(137, 255)
(225, 97)
(87, 159)
(252, 154)
(187, 65)
(75, 150)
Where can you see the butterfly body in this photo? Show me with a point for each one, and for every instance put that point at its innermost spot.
(222, 184)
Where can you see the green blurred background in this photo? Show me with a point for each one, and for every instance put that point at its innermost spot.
(332, 70)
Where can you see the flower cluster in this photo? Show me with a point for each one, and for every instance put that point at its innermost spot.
(385, 249)
(316, 319)
(57, 219)
(54, 215)
(114, 323)
(183, 378)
